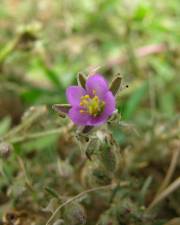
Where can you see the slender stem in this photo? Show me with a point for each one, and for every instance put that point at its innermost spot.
(76, 197)
(36, 113)
(37, 135)
(172, 187)
(170, 171)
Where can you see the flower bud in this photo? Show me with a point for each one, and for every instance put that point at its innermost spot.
(74, 214)
(108, 157)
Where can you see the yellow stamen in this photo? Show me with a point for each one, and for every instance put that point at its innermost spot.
(82, 111)
(86, 96)
(92, 105)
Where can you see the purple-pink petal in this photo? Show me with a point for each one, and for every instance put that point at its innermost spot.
(97, 121)
(74, 94)
(97, 83)
(77, 117)
(110, 103)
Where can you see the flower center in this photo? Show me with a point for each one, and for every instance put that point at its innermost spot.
(92, 105)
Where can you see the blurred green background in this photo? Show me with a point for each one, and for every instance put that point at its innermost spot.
(66, 37)
(45, 43)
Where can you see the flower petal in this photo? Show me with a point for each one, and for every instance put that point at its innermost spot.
(97, 83)
(74, 94)
(77, 117)
(110, 103)
(109, 100)
(99, 120)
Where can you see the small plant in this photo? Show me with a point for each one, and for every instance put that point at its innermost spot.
(110, 154)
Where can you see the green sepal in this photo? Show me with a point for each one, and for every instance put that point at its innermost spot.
(81, 79)
(115, 84)
(61, 109)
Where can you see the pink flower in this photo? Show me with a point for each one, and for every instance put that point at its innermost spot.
(92, 105)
